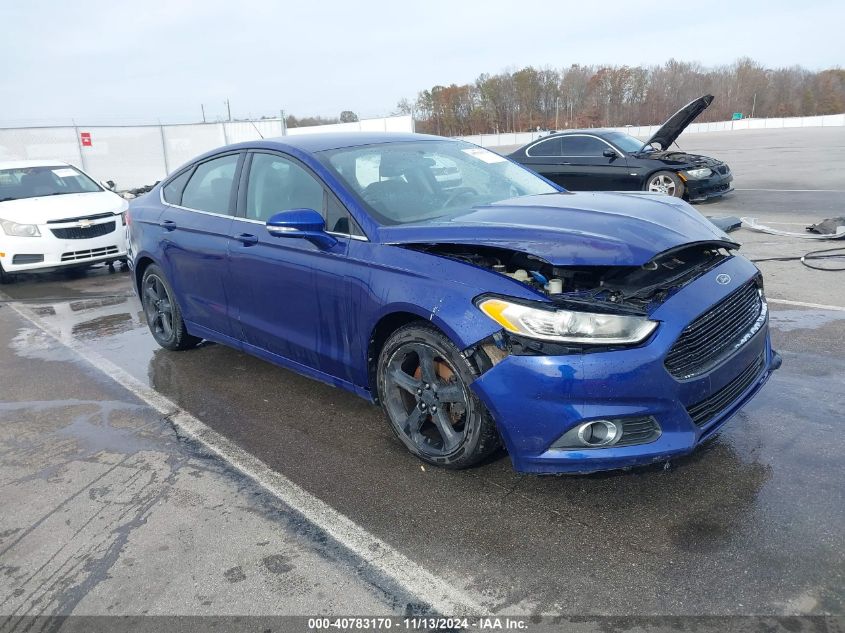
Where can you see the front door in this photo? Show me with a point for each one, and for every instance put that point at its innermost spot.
(290, 296)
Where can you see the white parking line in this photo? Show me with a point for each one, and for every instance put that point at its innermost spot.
(803, 304)
(419, 582)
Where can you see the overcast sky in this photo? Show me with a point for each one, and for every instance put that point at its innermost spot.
(125, 62)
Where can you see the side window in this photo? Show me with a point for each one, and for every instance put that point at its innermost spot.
(552, 147)
(210, 188)
(278, 184)
(172, 191)
(583, 146)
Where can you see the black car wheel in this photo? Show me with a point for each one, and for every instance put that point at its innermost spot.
(163, 315)
(665, 182)
(423, 385)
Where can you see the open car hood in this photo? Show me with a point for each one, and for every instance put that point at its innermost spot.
(678, 122)
(570, 229)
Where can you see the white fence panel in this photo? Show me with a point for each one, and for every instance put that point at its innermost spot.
(184, 142)
(52, 143)
(130, 156)
(399, 124)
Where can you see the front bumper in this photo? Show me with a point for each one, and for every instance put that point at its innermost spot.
(713, 187)
(48, 252)
(536, 399)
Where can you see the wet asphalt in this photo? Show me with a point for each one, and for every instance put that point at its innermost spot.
(752, 523)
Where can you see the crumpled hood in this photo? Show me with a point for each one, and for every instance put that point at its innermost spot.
(70, 205)
(567, 229)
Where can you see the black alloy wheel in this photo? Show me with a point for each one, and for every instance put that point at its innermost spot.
(423, 383)
(162, 312)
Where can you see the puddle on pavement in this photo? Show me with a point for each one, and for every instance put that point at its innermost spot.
(33, 343)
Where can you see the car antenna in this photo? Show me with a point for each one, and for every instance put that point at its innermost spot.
(257, 130)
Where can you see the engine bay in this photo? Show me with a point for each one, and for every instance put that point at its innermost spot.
(630, 289)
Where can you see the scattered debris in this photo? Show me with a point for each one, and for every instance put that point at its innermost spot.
(831, 226)
(727, 223)
(751, 223)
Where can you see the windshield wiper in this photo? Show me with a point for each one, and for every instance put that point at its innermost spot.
(5, 199)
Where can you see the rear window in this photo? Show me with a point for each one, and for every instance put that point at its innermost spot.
(210, 187)
(551, 147)
(172, 191)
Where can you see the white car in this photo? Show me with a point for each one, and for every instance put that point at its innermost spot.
(53, 216)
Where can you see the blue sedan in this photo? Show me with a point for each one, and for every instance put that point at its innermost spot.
(478, 303)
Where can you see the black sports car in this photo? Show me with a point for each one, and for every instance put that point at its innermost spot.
(609, 160)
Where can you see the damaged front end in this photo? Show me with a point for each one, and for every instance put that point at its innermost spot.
(617, 292)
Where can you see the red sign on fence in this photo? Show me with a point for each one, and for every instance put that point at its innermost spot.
(85, 139)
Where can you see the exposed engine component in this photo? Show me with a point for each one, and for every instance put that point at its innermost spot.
(614, 288)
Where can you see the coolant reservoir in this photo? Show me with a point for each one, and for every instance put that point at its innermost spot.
(555, 286)
(520, 275)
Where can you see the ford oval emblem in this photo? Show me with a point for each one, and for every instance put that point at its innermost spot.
(723, 279)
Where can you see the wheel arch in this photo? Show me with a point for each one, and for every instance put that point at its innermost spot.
(387, 324)
(141, 264)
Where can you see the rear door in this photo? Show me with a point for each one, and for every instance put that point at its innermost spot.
(196, 225)
(290, 297)
(546, 158)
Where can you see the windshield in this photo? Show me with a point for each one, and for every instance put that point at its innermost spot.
(422, 181)
(628, 143)
(32, 182)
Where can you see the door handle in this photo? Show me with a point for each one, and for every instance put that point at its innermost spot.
(246, 239)
(168, 225)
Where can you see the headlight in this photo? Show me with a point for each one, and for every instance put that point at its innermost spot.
(567, 326)
(19, 230)
(697, 174)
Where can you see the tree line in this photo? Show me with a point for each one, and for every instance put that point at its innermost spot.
(595, 96)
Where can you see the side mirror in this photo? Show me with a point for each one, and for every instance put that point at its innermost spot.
(609, 153)
(303, 223)
(108, 184)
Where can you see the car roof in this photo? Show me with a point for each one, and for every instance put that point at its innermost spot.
(18, 164)
(319, 142)
(595, 131)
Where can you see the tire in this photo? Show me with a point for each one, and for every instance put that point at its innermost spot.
(423, 386)
(665, 182)
(5, 278)
(164, 317)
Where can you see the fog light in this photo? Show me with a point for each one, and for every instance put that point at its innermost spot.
(599, 433)
(614, 432)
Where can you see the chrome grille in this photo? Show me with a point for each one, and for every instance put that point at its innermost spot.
(702, 413)
(706, 340)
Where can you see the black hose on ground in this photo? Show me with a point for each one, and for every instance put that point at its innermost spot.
(825, 253)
